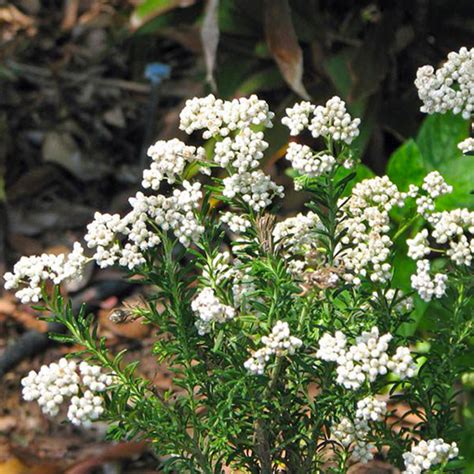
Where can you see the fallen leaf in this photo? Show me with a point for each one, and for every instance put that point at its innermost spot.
(62, 149)
(283, 43)
(29, 321)
(13, 466)
(71, 8)
(12, 21)
(126, 450)
(7, 423)
(210, 38)
(374, 467)
(115, 117)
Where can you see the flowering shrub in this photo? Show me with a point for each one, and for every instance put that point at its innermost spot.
(286, 338)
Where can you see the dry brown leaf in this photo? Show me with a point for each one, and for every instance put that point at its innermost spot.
(71, 8)
(29, 321)
(12, 21)
(7, 423)
(126, 450)
(283, 43)
(13, 466)
(374, 467)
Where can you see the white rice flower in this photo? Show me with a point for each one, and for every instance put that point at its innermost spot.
(218, 118)
(210, 310)
(298, 117)
(170, 158)
(427, 454)
(242, 152)
(365, 360)
(333, 121)
(467, 145)
(306, 162)
(255, 188)
(279, 343)
(237, 223)
(450, 87)
(30, 272)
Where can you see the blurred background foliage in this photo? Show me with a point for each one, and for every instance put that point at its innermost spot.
(77, 112)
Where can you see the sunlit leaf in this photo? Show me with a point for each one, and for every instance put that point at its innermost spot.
(150, 9)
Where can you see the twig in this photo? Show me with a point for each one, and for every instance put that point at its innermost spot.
(28, 70)
(33, 342)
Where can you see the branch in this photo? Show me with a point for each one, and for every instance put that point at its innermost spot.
(33, 342)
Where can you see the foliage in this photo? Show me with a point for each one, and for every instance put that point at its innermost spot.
(247, 395)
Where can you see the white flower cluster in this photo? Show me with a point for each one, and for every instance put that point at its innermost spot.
(210, 310)
(427, 454)
(86, 409)
(418, 246)
(450, 87)
(254, 188)
(425, 284)
(29, 272)
(371, 409)
(169, 161)
(354, 434)
(218, 117)
(93, 378)
(238, 224)
(297, 234)
(467, 146)
(329, 121)
(305, 161)
(333, 120)
(367, 225)
(454, 228)
(298, 117)
(102, 236)
(175, 213)
(278, 343)
(54, 384)
(435, 186)
(242, 152)
(366, 359)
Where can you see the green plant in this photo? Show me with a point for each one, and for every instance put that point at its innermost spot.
(288, 340)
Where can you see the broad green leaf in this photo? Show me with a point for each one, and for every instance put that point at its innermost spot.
(406, 165)
(438, 138)
(437, 141)
(459, 173)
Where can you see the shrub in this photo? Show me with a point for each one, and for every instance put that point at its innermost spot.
(287, 339)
